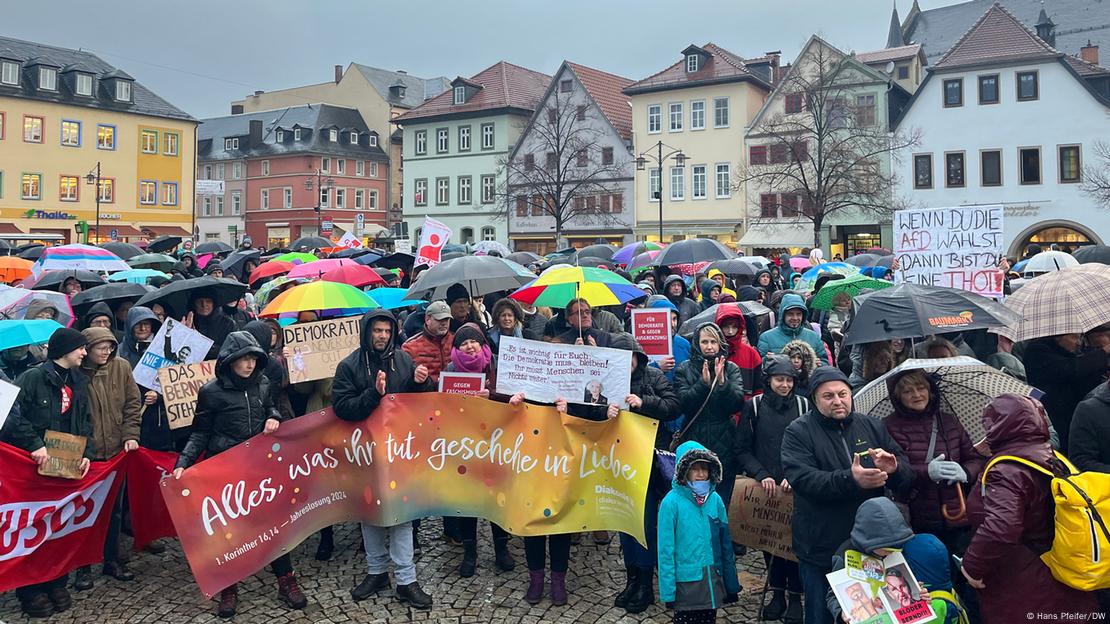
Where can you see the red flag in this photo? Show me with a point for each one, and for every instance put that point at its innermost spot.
(149, 518)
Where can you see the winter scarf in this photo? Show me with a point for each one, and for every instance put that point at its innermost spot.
(477, 363)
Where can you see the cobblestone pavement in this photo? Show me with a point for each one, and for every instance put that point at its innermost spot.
(164, 591)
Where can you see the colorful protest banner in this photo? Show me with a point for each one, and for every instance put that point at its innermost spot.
(461, 383)
(173, 344)
(651, 327)
(953, 247)
(64, 453)
(180, 384)
(760, 521)
(545, 371)
(527, 468)
(316, 348)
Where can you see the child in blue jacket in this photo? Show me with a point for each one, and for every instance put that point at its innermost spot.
(697, 566)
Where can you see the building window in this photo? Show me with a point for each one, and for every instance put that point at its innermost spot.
(296, 134)
(953, 92)
(148, 192)
(9, 73)
(676, 117)
(360, 196)
(464, 138)
(724, 182)
(580, 113)
(488, 189)
(1029, 159)
(565, 86)
(441, 140)
(1070, 170)
(32, 129)
(697, 115)
(487, 136)
(720, 112)
(221, 169)
(655, 118)
(678, 183)
(236, 170)
(551, 161)
(373, 170)
(954, 170)
(236, 202)
(31, 187)
(265, 167)
(265, 199)
(325, 165)
(287, 197)
(655, 184)
(460, 95)
(48, 78)
(865, 110)
(67, 188)
(467, 235)
(123, 91)
(795, 102)
(229, 144)
(582, 158)
(71, 133)
(420, 195)
(83, 84)
(464, 189)
(529, 162)
(150, 142)
(489, 234)
(3, 125)
(107, 190)
(279, 136)
(521, 206)
(360, 168)
(691, 63)
(606, 155)
(325, 198)
(373, 199)
(443, 191)
(923, 171)
(1027, 87)
(172, 143)
(768, 206)
(372, 139)
(219, 205)
(208, 173)
(206, 207)
(340, 198)
(105, 137)
(340, 166)
(354, 138)
(990, 166)
(698, 182)
(333, 135)
(757, 155)
(169, 195)
(903, 72)
(988, 89)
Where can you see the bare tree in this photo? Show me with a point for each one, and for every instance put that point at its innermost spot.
(563, 170)
(1096, 177)
(825, 156)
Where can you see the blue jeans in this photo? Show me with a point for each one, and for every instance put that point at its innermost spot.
(816, 587)
(635, 555)
(400, 551)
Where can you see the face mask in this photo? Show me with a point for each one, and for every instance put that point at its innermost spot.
(701, 488)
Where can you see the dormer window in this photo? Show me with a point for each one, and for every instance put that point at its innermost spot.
(9, 72)
(83, 84)
(354, 138)
(333, 136)
(280, 136)
(692, 63)
(296, 134)
(123, 91)
(460, 94)
(373, 140)
(231, 144)
(48, 78)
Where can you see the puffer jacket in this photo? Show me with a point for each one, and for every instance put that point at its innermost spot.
(353, 393)
(1065, 378)
(687, 308)
(426, 350)
(706, 300)
(775, 339)
(740, 352)
(40, 408)
(715, 427)
(653, 387)
(759, 434)
(1012, 514)
(115, 405)
(230, 409)
(1090, 432)
(275, 370)
(912, 431)
(697, 567)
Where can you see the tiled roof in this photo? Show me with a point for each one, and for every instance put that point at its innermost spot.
(889, 54)
(313, 118)
(1085, 69)
(997, 37)
(504, 85)
(606, 89)
(143, 100)
(417, 90)
(722, 66)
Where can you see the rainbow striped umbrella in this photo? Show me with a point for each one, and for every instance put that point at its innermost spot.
(555, 288)
(320, 296)
(625, 254)
(84, 257)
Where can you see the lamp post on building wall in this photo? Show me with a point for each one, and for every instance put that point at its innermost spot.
(659, 158)
(93, 178)
(321, 185)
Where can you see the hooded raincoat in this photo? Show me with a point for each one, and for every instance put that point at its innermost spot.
(776, 338)
(114, 400)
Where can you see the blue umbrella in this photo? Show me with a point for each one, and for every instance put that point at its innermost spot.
(137, 276)
(18, 333)
(393, 298)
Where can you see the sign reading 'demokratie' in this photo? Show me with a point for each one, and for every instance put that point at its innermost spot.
(651, 327)
(761, 521)
(316, 348)
(952, 247)
(527, 468)
(180, 385)
(545, 371)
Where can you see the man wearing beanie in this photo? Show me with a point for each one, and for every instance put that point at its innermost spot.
(834, 459)
(52, 396)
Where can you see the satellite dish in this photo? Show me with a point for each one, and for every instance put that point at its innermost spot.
(889, 68)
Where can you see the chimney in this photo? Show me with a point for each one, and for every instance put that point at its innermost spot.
(338, 73)
(255, 137)
(258, 93)
(1089, 53)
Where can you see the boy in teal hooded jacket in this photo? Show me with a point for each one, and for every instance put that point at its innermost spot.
(697, 566)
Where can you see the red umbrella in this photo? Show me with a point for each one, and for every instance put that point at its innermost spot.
(318, 268)
(357, 275)
(269, 269)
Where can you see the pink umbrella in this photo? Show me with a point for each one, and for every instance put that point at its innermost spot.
(357, 275)
(800, 263)
(318, 268)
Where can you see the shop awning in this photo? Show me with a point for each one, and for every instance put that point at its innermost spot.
(166, 230)
(9, 228)
(778, 235)
(122, 230)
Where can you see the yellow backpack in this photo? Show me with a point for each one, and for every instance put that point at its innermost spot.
(1080, 554)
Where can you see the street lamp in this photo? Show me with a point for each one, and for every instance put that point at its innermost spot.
(659, 157)
(93, 178)
(323, 185)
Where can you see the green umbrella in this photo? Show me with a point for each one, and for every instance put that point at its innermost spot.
(295, 256)
(156, 261)
(852, 285)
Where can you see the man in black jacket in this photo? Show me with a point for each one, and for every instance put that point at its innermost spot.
(375, 369)
(1090, 431)
(834, 459)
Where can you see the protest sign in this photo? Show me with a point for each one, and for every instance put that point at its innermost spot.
(316, 348)
(8, 394)
(461, 383)
(527, 468)
(760, 521)
(173, 344)
(953, 247)
(545, 371)
(180, 385)
(651, 327)
(871, 590)
(64, 453)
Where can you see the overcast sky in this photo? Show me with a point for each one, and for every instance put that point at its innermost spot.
(202, 54)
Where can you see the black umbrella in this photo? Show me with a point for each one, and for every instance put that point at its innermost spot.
(398, 260)
(735, 267)
(864, 260)
(1093, 254)
(234, 263)
(709, 315)
(353, 252)
(916, 311)
(310, 242)
(480, 275)
(123, 250)
(693, 250)
(593, 261)
(53, 280)
(451, 255)
(115, 291)
(213, 247)
(524, 257)
(597, 251)
(30, 252)
(163, 244)
(176, 295)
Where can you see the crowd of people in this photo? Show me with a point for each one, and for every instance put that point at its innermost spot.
(768, 398)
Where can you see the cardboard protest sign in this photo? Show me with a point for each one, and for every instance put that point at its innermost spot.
(953, 247)
(461, 383)
(316, 348)
(65, 452)
(180, 385)
(880, 591)
(545, 371)
(651, 327)
(173, 344)
(760, 521)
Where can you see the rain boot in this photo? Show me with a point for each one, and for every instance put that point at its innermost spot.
(535, 587)
(558, 588)
(630, 586)
(470, 558)
(290, 593)
(795, 614)
(643, 596)
(501, 555)
(773, 610)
